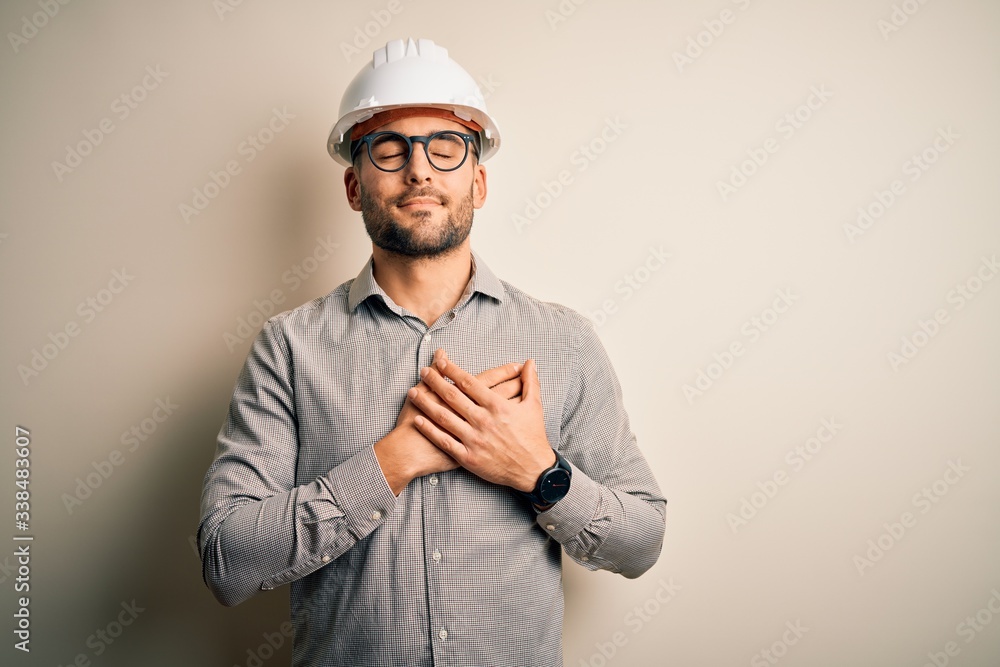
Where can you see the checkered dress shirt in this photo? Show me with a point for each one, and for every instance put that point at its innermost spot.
(455, 571)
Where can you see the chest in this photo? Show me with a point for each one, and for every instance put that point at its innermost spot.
(351, 386)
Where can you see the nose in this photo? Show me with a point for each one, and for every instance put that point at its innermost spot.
(418, 168)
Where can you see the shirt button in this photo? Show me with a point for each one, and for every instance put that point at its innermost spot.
(376, 515)
(434, 480)
(427, 337)
(443, 634)
(550, 527)
(326, 559)
(436, 555)
(584, 558)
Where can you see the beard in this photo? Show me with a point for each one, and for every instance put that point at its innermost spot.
(424, 239)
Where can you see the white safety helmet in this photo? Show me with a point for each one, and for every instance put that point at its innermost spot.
(414, 73)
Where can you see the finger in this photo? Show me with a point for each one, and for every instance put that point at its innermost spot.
(469, 384)
(495, 376)
(429, 395)
(509, 389)
(531, 389)
(441, 413)
(440, 438)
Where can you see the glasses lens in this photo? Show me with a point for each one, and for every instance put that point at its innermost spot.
(447, 150)
(389, 151)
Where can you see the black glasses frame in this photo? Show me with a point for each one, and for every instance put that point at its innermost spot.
(367, 140)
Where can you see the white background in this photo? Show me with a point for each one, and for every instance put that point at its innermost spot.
(555, 76)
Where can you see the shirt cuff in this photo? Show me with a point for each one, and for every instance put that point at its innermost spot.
(360, 490)
(571, 515)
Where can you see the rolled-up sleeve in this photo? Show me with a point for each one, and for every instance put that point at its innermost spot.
(258, 529)
(613, 517)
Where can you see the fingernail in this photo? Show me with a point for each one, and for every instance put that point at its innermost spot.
(412, 392)
(424, 371)
(442, 362)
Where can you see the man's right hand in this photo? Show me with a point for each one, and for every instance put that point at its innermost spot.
(404, 453)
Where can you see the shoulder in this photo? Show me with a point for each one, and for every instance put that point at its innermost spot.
(321, 312)
(559, 319)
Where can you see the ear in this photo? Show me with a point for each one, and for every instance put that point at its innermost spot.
(353, 187)
(479, 186)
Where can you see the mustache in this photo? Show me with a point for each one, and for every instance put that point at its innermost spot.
(422, 192)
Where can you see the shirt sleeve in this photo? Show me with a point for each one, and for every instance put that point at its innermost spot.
(613, 517)
(258, 529)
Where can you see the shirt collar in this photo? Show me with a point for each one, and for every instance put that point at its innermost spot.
(483, 280)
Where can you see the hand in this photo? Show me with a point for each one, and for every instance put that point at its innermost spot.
(501, 441)
(504, 380)
(404, 453)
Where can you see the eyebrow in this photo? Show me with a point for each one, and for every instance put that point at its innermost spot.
(450, 138)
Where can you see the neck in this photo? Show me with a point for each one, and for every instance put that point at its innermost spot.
(425, 286)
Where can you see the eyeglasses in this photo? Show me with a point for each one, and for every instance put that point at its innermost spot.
(391, 151)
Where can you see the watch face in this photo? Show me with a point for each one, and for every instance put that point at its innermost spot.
(554, 486)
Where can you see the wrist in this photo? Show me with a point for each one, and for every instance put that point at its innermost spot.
(530, 480)
(552, 484)
(394, 468)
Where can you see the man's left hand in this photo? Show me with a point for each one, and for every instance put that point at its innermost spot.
(502, 441)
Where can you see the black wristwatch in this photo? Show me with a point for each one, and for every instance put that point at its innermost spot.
(552, 485)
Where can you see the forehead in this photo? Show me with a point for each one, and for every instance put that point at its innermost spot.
(421, 125)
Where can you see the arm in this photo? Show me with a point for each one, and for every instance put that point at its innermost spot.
(258, 530)
(613, 516)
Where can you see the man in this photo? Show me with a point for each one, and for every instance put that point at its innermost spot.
(414, 451)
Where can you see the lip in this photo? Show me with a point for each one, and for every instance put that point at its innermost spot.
(420, 202)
